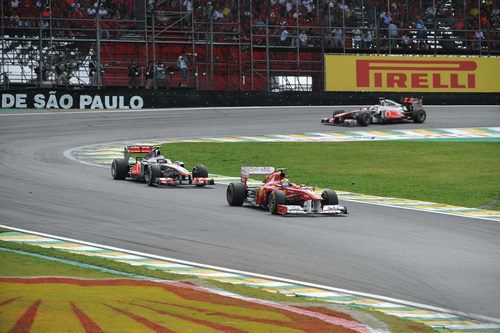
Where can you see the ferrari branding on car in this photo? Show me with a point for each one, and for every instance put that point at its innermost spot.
(280, 196)
(415, 74)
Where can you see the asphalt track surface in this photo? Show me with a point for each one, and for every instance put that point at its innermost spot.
(440, 260)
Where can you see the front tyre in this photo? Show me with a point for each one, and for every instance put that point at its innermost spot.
(329, 198)
(236, 194)
(200, 170)
(276, 198)
(119, 169)
(418, 115)
(151, 173)
(364, 119)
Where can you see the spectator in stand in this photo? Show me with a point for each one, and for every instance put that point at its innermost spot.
(150, 74)
(356, 32)
(284, 41)
(313, 38)
(405, 41)
(478, 38)
(61, 74)
(421, 33)
(161, 82)
(393, 35)
(133, 75)
(385, 19)
(93, 71)
(14, 4)
(328, 38)
(218, 16)
(183, 66)
(370, 34)
(188, 7)
(338, 38)
(44, 75)
(303, 38)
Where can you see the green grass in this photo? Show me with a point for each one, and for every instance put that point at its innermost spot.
(15, 264)
(456, 173)
(100, 262)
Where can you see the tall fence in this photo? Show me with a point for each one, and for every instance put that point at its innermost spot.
(226, 45)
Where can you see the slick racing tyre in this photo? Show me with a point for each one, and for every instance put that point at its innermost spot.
(418, 115)
(329, 198)
(236, 194)
(276, 198)
(364, 119)
(151, 173)
(119, 169)
(200, 170)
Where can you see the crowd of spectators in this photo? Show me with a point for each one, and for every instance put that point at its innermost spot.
(298, 23)
(337, 23)
(67, 18)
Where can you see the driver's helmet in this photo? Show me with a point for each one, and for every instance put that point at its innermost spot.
(156, 152)
(285, 182)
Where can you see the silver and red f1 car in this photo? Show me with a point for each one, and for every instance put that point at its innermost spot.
(280, 196)
(154, 169)
(384, 112)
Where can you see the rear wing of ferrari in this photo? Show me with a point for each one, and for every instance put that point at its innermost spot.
(247, 171)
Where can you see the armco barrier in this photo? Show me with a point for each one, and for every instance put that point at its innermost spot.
(123, 98)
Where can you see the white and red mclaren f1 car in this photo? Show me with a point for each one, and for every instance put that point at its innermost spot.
(384, 112)
(280, 196)
(154, 169)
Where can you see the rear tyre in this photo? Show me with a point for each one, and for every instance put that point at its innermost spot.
(276, 198)
(418, 115)
(236, 194)
(151, 173)
(119, 169)
(364, 119)
(329, 198)
(200, 170)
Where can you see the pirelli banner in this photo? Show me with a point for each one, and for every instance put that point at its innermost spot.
(412, 74)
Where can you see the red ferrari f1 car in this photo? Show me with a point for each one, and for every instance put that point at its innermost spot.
(384, 112)
(154, 169)
(280, 196)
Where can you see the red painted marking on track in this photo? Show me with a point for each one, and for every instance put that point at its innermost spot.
(8, 301)
(295, 316)
(88, 324)
(191, 292)
(23, 325)
(148, 323)
(222, 328)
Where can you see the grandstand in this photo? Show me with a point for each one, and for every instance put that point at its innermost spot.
(249, 45)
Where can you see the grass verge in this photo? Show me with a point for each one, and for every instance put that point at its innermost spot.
(18, 265)
(457, 173)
